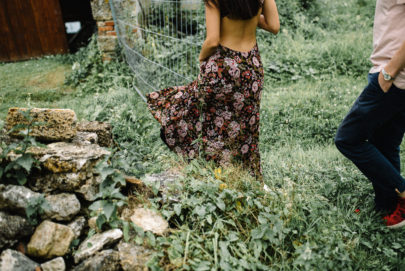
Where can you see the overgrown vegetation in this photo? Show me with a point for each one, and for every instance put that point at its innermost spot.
(318, 214)
(16, 163)
(109, 196)
(15, 160)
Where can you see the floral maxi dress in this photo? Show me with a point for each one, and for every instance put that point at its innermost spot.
(217, 115)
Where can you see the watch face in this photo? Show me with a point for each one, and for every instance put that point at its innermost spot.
(386, 76)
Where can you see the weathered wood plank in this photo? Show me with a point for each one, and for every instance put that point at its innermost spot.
(31, 28)
(23, 29)
(6, 43)
(49, 22)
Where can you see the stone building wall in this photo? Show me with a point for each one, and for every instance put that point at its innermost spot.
(107, 36)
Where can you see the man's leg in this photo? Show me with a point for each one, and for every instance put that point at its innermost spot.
(371, 111)
(387, 140)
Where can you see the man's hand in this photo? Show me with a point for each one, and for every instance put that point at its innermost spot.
(385, 85)
(396, 65)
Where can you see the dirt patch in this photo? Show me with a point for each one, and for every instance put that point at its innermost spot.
(50, 79)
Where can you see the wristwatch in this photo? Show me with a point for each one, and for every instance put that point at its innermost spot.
(387, 76)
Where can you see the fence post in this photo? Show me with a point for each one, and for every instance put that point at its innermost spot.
(107, 35)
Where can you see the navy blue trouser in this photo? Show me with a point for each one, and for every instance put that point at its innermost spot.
(370, 136)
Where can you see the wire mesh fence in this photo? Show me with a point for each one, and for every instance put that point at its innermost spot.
(161, 40)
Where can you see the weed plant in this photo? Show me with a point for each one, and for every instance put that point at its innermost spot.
(16, 162)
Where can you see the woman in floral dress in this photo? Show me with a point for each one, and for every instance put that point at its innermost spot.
(217, 116)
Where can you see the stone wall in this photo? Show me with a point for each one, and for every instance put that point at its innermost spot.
(67, 182)
(107, 36)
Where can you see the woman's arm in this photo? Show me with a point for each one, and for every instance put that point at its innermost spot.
(269, 18)
(213, 24)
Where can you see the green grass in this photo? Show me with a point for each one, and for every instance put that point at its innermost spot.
(314, 72)
(36, 83)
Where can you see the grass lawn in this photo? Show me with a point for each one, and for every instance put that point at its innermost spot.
(33, 83)
(314, 190)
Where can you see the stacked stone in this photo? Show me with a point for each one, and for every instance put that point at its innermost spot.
(66, 179)
(107, 36)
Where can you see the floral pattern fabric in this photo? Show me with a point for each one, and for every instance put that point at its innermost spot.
(217, 115)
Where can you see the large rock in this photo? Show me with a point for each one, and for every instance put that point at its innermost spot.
(11, 260)
(50, 240)
(102, 129)
(90, 188)
(16, 197)
(63, 207)
(95, 243)
(68, 167)
(59, 124)
(84, 183)
(133, 257)
(149, 220)
(63, 157)
(85, 138)
(77, 226)
(13, 228)
(57, 264)
(67, 182)
(106, 260)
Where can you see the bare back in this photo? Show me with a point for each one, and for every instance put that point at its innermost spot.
(239, 35)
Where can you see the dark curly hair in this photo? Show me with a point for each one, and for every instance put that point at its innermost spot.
(237, 9)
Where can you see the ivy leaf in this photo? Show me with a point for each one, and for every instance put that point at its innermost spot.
(10, 166)
(25, 161)
(209, 219)
(200, 211)
(120, 179)
(151, 238)
(259, 232)
(221, 204)
(105, 172)
(232, 237)
(108, 209)
(116, 194)
(125, 230)
(223, 246)
(30, 211)
(139, 231)
(21, 177)
(177, 209)
(100, 221)
(96, 205)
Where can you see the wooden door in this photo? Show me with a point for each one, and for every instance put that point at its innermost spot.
(31, 28)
